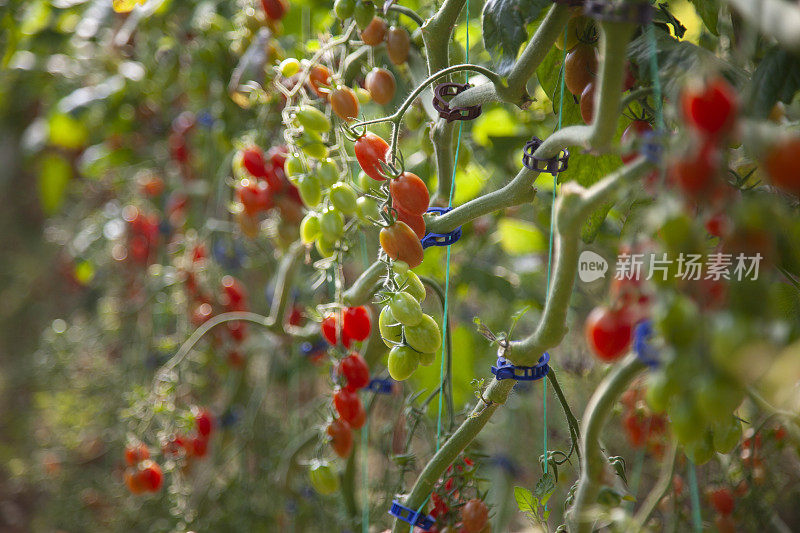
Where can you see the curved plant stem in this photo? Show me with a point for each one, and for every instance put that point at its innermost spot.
(365, 286)
(662, 485)
(410, 13)
(593, 462)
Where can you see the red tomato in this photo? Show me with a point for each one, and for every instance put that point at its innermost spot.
(783, 165)
(355, 370)
(400, 242)
(722, 501)
(356, 323)
(236, 359)
(341, 437)
(474, 515)
(237, 330)
(608, 333)
(329, 331)
(635, 430)
(710, 109)
(415, 222)
(253, 161)
(274, 9)
(150, 476)
(344, 103)
(254, 195)
(695, 174)
(198, 447)
(319, 79)
(133, 481)
(135, 453)
(234, 294)
(204, 422)
(370, 150)
(587, 104)
(349, 407)
(409, 193)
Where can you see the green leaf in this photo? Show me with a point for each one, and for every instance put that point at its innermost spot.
(525, 500)
(54, 175)
(497, 122)
(504, 27)
(709, 12)
(777, 78)
(545, 487)
(518, 237)
(675, 58)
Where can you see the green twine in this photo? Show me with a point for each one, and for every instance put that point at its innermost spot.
(447, 276)
(697, 519)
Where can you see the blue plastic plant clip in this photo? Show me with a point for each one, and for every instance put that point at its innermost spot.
(423, 521)
(644, 352)
(381, 386)
(505, 370)
(310, 349)
(440, 239)
(651, 148)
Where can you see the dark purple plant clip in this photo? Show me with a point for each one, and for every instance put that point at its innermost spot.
(410, 516)
(644, 352)
(554, 165)
(440, 239)
(381, 386)
(441, 96)
(505, 370)
(634, 12)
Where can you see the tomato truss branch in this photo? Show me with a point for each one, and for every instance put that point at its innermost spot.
(662, 485)
(593, 461)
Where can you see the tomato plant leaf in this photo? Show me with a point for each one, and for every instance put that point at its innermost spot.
(525, 499)
(777, 78)
(545, 487)
(504, 31)
(709, 13)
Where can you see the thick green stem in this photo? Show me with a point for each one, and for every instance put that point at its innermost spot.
(518, 191)
(496, 394)
(365, 286)
(572, 208)
(593, 461)
(614, 38)
(525, 67)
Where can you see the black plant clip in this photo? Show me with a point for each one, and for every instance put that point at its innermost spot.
(634, 12)
(554, 165)
(441, 98)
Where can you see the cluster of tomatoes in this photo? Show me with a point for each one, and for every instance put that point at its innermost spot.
(195, 445)
(643, 428)
(413, 336)
(451, 508)
(142, 474)
(143, 235)
(581, 65)
(353, 370)
(262, 186)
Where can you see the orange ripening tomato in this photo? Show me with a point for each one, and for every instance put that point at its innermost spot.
(341, 437)
(319, 79)
(401, 243)
(409, 193)
(344, 103)
(370, 150)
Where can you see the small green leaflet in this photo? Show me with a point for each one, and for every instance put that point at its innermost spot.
(504, 31)
(709, 12)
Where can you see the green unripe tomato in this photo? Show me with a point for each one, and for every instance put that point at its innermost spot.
(325, 247)
(363, 13)
(363, 95)
(658, 391)
(411, 283)
(391, 330)
(344, 198)
(311, 144)
(323, 478)
(328, 173)
(426, 359)
(332, 224)
(425, 337)
(686, 424)
(701, 450)
(289, 67)
(400, 268)
(313, 119)
(727, 435)
(294, 166)
(403, 361)
(406, 309)
(367, 208)
(310, 228)
(310, 190)
(367, 184)
(681, 322)
(717, 397)
(344, 8)
(577, 27)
